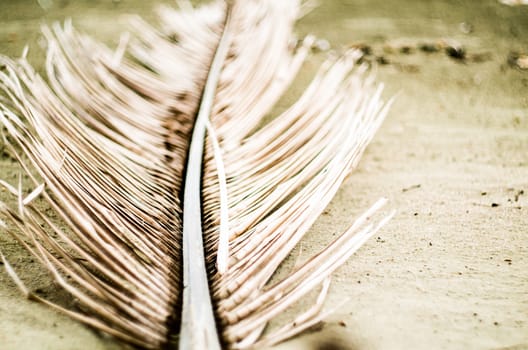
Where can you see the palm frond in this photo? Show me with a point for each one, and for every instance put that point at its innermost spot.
(114, 140)
(108, 137)
(279, 179)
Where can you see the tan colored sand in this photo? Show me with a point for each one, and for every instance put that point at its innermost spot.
(450, 271)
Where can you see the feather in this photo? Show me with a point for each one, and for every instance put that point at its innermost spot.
(174, 200)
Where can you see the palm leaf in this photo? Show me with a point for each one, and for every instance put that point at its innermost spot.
(174, 200)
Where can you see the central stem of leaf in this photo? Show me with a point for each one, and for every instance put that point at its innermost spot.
(198, 330)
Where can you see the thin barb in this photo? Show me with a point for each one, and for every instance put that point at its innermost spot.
(222, 259)
(13, 275)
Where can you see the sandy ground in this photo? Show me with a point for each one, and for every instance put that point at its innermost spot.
(450, 271)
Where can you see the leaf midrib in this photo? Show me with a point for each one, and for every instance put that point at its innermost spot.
(198, 326)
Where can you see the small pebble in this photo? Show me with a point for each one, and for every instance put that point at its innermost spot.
(366, 49)
(518, 60)
(382, 60)
(429, 48)
(406, 49)
(522, 62)
(456, 52)
(321, 45)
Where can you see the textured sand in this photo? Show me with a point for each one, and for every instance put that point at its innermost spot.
(450, 271)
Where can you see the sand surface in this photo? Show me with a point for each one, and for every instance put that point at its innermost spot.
(450, 271)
